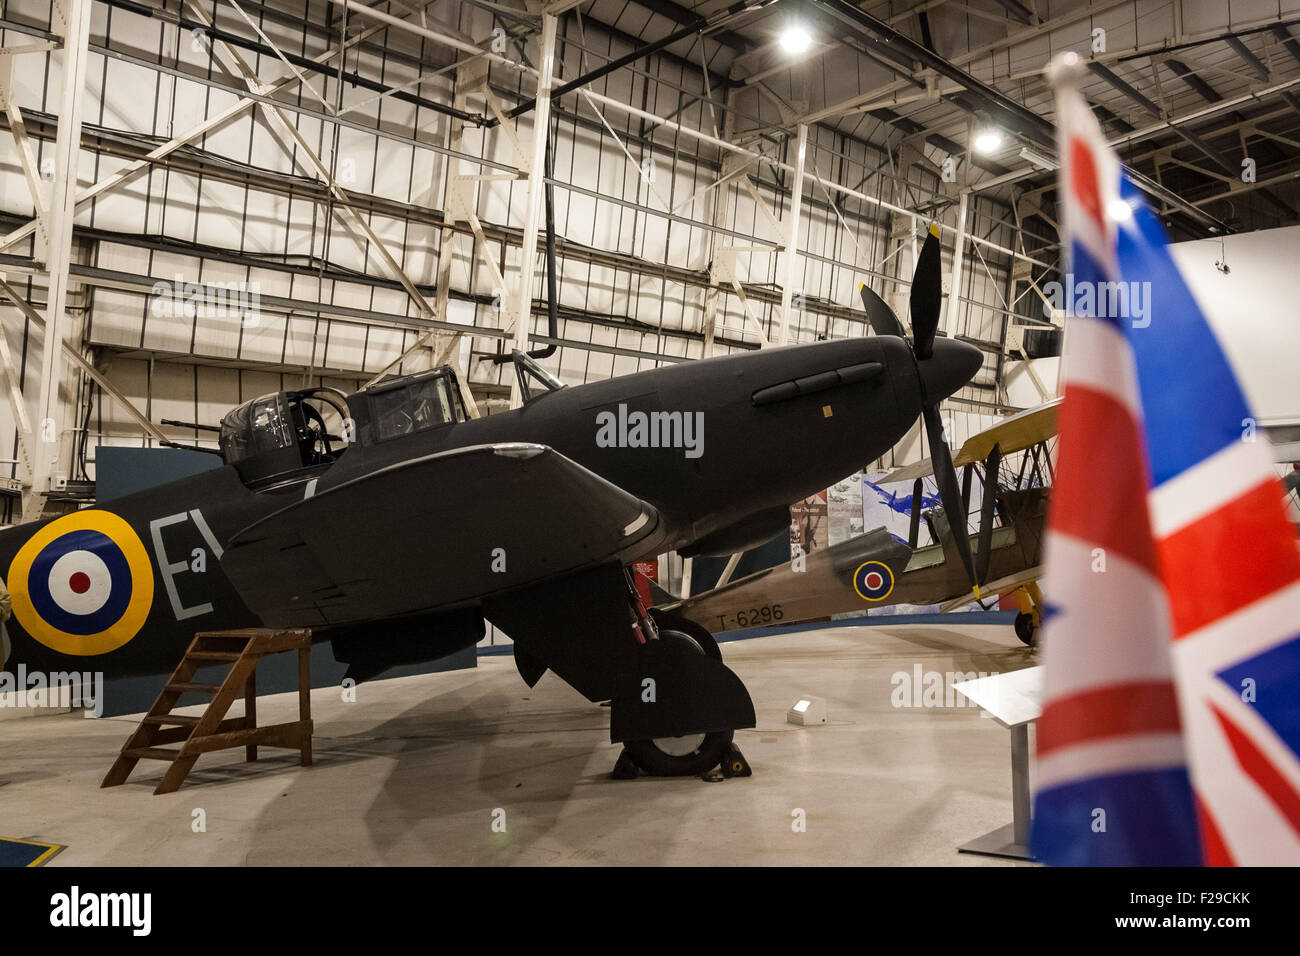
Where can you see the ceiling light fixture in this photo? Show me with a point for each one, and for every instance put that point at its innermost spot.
(795, 38)
(988, 141)
(1037, 159)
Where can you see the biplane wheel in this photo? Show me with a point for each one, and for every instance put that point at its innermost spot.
(1026, 629)
(690, 754)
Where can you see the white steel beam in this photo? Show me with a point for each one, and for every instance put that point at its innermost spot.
(306, 158)
(22, 422)
(443, 343)
(146, 426)
(793, 272)
(63, 203)
(127, 172)
(36, 186)
(958, 261)
(721, 209)
(536, 190)
(673, 125)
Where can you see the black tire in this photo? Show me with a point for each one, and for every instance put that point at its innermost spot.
(682, 756)
(1026, 630)
(666, 620)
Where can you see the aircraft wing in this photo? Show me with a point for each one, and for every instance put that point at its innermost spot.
(433, 531)
(1016, 433)
(1000, 586)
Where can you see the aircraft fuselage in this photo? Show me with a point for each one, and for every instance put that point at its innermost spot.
(708, 444)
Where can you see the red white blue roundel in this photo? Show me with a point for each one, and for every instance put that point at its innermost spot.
(83, 584)
(80, 583)
(873, 581)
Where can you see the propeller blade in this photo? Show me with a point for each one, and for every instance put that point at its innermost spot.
(949, 491)
(914, 525)
(880, 316)
(991, 465)
(927, 295)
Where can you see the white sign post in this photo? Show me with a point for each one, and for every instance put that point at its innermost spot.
(1014, 700)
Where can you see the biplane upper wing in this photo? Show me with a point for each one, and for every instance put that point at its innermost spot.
(1016, 433)
(332, 555)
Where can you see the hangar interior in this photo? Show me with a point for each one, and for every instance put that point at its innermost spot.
(206, 201)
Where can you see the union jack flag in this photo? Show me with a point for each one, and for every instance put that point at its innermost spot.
(1170, 731)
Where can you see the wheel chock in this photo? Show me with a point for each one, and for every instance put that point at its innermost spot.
(625, 767)
(734, 763)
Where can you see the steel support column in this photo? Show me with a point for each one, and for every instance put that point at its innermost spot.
(958, 260)
(62, 208)
(792, 273)
(536, 189)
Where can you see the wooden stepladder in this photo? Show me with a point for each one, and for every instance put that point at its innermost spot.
(240, 650)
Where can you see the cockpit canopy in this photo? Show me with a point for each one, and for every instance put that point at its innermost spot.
(404, 405)
(284, 432)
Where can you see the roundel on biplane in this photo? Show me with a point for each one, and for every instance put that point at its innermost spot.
(873, 581)
(83, 584)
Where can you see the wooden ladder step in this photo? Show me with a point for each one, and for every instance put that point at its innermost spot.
(241, 649)
(252, 633)
(151, 753)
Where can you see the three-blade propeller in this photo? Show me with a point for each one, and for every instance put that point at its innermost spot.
(941, 372)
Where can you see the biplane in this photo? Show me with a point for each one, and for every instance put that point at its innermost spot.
(1012, 459)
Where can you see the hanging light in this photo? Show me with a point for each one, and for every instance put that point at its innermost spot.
(795, 38)
(988, 140)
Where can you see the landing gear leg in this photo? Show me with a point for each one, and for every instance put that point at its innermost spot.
(684, 685)
(689, 754)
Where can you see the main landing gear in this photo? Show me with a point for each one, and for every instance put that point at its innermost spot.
(674, 705)
(687, 699)
(689, 754)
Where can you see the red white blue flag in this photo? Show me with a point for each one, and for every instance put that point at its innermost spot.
(1170, 732)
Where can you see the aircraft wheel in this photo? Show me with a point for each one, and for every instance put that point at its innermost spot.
(702, 639)
(1026, 630)
(691, 754)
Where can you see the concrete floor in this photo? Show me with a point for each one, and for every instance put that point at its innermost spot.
(413, 772)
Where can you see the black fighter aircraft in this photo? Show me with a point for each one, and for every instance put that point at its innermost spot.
(398, 536)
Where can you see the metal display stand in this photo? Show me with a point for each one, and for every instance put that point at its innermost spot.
(1014, 700)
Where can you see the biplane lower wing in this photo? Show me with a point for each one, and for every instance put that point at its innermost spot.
(847, 577)
(1002, 585)
(835, 581)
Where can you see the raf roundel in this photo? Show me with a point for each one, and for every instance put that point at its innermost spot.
(83, 584)
(873, 581)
